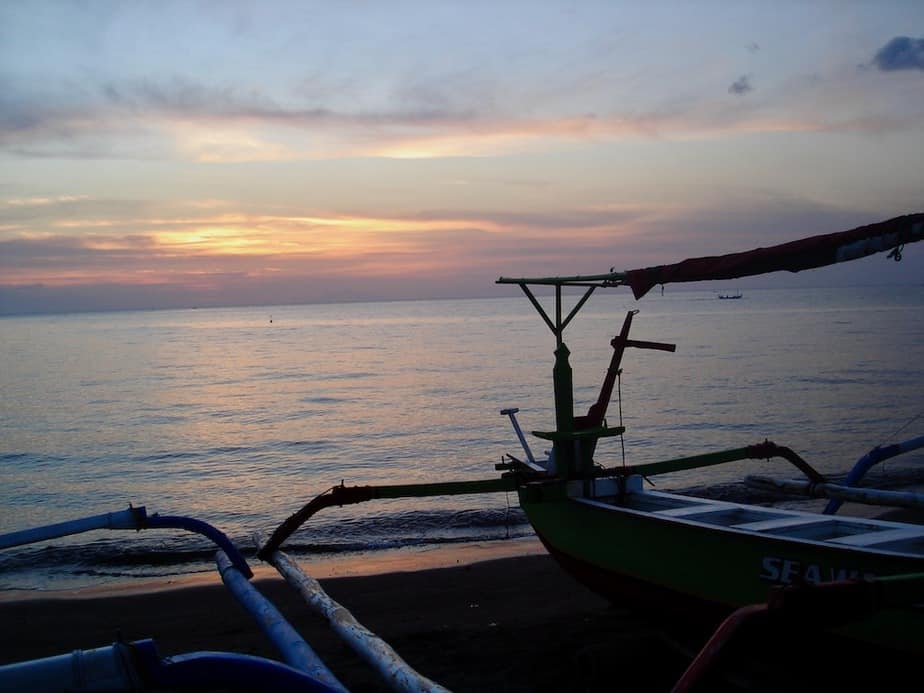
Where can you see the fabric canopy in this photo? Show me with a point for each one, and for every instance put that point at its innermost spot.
(795, 256)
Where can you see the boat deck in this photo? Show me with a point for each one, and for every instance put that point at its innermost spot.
(844, 531)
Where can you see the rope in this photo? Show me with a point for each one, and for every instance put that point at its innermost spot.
(895, 433)
(622, 439)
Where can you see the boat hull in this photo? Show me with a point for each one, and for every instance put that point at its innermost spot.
(698, 574)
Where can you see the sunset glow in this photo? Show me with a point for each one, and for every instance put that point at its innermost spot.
(274, 152)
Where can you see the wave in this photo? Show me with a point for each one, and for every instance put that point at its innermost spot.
(133, 555)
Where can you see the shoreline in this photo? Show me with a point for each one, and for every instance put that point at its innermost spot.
(363, 565)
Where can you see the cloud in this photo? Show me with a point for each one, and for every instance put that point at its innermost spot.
(568, 220)
(432, 254)
(185, 99)
(247, 253)
(178, 117)
(901, 53)
(741, 86)
(207, 120)
(36, 201)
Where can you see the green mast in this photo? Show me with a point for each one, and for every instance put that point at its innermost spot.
(573, 449)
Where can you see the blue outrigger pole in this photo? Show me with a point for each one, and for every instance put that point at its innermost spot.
(873, 457)
(132, 518)
(137, 665)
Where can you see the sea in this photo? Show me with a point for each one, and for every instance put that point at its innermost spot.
(239, 416)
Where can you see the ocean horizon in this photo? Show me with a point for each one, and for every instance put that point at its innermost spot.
(802, 283)
(239, 415)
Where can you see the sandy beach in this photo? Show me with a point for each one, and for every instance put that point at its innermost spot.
(479, 622)
(516, 623)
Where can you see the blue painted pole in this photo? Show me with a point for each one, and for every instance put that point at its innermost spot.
(869, 460)
(190, 524)
(133, 518)
(295, 651)
(107, 668)
(224, 670)
(137, 666)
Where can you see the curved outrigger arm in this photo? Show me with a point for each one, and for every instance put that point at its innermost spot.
(873, 457)
(347, 495)
(761, 451)
(135, 518)
(850, 491)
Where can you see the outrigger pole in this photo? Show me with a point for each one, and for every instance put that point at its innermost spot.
(396, 672)
(347, 495)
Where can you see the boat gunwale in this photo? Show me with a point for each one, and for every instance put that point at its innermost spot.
(709, 505)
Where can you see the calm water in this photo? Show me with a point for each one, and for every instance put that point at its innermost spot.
(239, 416)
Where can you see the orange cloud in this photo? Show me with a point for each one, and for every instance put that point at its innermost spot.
(188, 248)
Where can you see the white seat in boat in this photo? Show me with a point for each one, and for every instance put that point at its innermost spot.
(777, 523)
(695, 508)
(873, 538)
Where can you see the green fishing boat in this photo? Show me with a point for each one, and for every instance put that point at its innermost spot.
(697, 559)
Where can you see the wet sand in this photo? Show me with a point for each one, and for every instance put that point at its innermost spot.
(506, 624)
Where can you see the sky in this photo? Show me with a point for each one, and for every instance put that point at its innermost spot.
(176, 154)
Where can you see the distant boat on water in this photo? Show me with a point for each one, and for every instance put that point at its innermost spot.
(737, 294)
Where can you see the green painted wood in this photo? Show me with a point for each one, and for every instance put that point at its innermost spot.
(722, 566)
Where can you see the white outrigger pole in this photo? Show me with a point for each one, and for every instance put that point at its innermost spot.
(395, 672)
